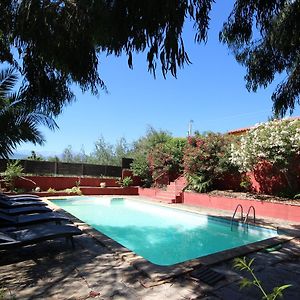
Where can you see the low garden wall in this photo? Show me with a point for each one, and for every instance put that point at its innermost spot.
(61, 182)
(263, 208)
(147, 192)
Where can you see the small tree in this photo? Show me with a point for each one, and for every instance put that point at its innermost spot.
(141, 151)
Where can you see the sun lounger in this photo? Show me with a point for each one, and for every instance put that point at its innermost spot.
(11, 204)
(19, 238)
(6, 220)
(25, 210)
(20, 197)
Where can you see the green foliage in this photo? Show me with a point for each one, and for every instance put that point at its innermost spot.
(245, 183)
(151, 139)
(141, 168)
(199, 183)
(19, 122)
(142, 149)
(53, 158)
(276, 143)
(78, 182)
(35, 156)
(243, 264)
(206, 160)
(264, 37)
(126, 181)
(166, 158)
(107, 154)
(74, 190)
(63, 40)
(51, 190)
(13, 171)
(88, 29)
(104, 153)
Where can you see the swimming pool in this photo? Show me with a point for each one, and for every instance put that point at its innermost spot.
(162, 235)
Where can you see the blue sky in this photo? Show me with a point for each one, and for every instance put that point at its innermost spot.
(211, 92)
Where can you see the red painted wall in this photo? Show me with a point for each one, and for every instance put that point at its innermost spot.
(147, 192)
(262, 208)
(61, 183)
(266, 179)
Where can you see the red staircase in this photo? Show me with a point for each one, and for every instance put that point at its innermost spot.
(173, 193)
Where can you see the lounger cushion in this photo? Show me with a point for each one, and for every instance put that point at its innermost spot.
(25, 210)
(43, 233)
(37, 234)
(22, 197)
(31, 219)
(11, 204)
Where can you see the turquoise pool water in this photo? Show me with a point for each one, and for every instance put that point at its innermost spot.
(162, 235)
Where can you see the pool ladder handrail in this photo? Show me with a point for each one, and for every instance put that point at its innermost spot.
(235, 211)
(246, 218)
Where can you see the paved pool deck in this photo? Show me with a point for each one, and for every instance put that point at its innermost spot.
(52, 270)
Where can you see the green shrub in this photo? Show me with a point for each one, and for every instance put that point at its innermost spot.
(166, 158)
(51, 191)
(127, 181)
(206, 160)
(74, 190)
(12, 172)
(141, 168)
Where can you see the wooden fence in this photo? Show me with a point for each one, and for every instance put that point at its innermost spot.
(37, 167)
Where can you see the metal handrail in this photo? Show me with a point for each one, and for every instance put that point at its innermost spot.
(235, 211)
(246, 218)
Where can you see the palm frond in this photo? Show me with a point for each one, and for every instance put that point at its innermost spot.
(8, 79)
(19, 122)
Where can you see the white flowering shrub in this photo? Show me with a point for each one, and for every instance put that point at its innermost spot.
(277, 142)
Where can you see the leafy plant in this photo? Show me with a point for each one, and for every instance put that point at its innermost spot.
(74, 190)
(127, 181)
(242, 264)
(141, 168)
(198, 183)
(13, 171)
(245, 183)
(78, 182)
(51, 190)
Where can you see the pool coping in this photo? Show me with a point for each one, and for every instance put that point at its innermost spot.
(160, 273)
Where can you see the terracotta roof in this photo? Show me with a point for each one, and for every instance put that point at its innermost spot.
(241, 130)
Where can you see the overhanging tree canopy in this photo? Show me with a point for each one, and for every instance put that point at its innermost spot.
(58, 42)
(265, 38)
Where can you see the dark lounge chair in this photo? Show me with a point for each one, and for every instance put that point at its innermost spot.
(19, 238)
(25, 210)
(20, 197)
(7, 203)
(6, 220)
